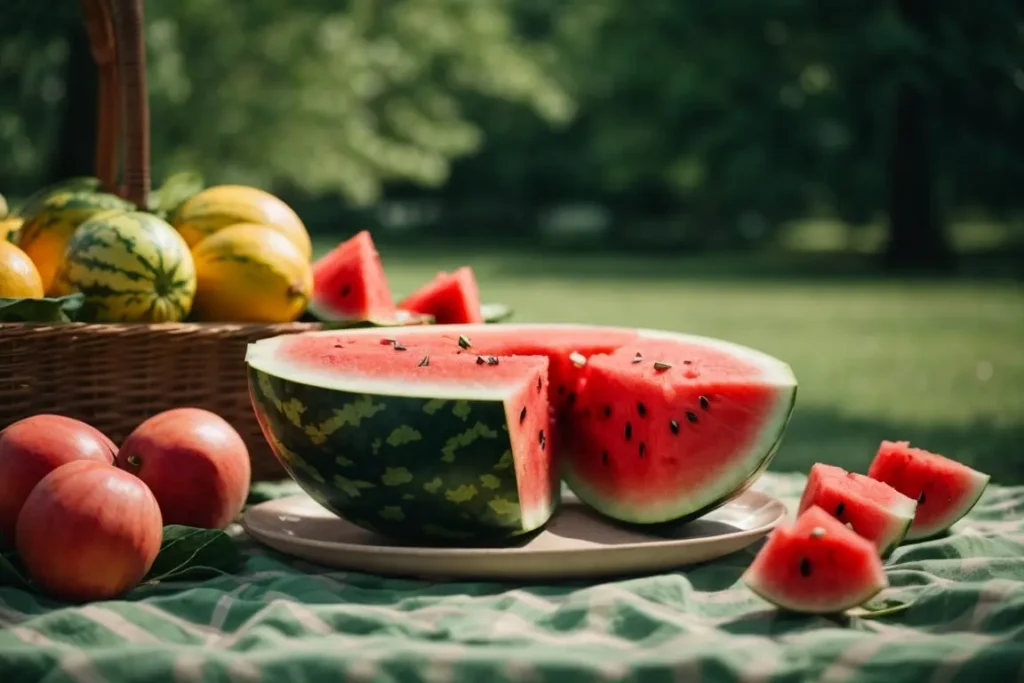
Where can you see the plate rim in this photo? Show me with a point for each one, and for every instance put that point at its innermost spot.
(455, 551)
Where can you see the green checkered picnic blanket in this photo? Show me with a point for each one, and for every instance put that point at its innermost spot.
(285, 620)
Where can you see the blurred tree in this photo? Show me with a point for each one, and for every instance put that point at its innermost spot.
(306, 94)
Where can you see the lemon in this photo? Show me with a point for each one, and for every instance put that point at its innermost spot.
(220, 206)
(250, 273)
(19, 278)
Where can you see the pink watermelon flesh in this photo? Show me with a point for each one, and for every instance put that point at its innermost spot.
(817, 566)
(349, 283)
(874, 510)
(386, 368)
(945, 490)
(451, 298)
(668, 429)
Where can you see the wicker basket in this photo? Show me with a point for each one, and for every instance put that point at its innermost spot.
(115, 376)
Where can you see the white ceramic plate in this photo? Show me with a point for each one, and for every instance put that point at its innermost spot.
(576, 543)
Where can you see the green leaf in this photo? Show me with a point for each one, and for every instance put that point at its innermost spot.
(64, 309)
(166, 199)
(191, 552)
(11, 573)
(874, 609)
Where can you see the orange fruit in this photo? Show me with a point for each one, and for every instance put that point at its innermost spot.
(19, 277)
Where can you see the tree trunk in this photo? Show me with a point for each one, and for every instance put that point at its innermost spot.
(75, 149)
(917, 238)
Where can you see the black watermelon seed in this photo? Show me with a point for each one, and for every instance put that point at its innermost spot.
(464, 342)
(339, 346)
(674, 426)
(604, 457)
(399, 347)
(629, 431)
(691, 416)
(522, 415)
(480, 360)
(561, 389)
(641, 409)
(921, 499)
(607, 411)
(687, 362)
(638, 357)
(572, 397)
(661, 365)
(805, 567)
(704, 403)
(840, 509)
(643, 449)
(346, 290)
(538, 385)
(492, 360)
(543, 440)
(425, 361)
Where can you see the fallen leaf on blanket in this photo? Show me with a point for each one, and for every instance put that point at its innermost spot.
(874, 609)
(194, 553)
(11, 573)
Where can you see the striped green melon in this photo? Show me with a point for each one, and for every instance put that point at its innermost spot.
(131, 266)
(422, 448)
(49, 223)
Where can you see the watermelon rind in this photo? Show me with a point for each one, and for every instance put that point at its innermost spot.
(364, 449)
(978, 483)
(495, 312)
(749, 465)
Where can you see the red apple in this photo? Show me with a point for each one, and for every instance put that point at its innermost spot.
(32, 448)
(195, 463)
(89, 531)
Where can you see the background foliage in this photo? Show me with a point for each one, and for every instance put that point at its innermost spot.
(715, 123)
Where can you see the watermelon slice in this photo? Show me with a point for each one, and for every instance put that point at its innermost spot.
(668, 429)
(874, 510)
(450, 298)
(349, 283)
(945, 489)
(816, 566)
(465, 417)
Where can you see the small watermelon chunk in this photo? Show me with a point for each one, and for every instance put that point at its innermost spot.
(945, 489)
(349, 283)
(817, 566)
(668, 429)
(874, 510)
(451, 298)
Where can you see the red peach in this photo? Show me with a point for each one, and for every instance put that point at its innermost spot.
(195, 463)
(89, 531)
(33, 447)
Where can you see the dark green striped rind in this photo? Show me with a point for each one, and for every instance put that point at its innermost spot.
(66, 210)
(415, 469)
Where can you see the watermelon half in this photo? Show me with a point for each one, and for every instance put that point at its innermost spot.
(467, 420)
(816, 566)
(874, 510)
(945, 490)
(349, 283)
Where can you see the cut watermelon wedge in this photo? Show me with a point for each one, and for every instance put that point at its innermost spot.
(817, 566)
(349, 283)
(451, 298)
(945, 489)
(874, 510)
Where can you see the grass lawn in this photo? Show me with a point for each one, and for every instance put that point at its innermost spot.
(940, 363)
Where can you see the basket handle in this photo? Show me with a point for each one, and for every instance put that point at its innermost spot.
(116, 35)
